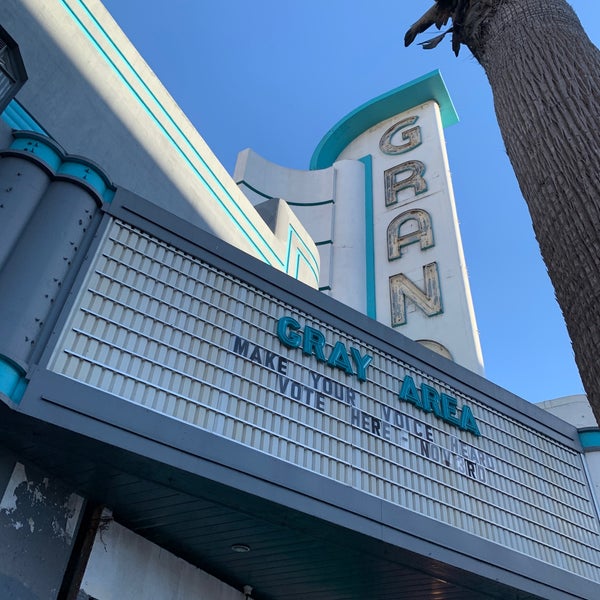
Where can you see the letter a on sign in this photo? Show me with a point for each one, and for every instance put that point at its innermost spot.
(423, 232)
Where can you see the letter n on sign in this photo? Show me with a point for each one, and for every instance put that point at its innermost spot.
(429, 299)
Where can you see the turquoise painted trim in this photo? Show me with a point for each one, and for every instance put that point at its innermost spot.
(18, 118)
(300, 258)
(425, 88)
(310, 203)
(44, 150)
(241, 220)
(314, 267)
(84, 172)
(262, 194)
(309, 258)
(371, 288)
(12, 380)
(215, 187)
(590, 440)
(256, 191)
(52, 155)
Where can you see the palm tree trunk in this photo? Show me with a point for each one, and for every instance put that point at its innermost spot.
(545, 77)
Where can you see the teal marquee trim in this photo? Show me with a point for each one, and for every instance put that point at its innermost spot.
(59, 163)
(590, 439)
(19, 119)
(425, 88)
(369, 238)
(187, 150)
(12, 380)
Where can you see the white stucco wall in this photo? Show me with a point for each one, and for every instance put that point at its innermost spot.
(575, 410)
(125, 566)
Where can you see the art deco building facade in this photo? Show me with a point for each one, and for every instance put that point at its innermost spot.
(262, 386)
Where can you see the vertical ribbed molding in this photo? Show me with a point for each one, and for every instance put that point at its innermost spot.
(349, 243)
(48, 201)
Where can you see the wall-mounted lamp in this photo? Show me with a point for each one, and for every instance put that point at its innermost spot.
(12, 69)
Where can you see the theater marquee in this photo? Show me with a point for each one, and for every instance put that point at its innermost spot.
(166, 329)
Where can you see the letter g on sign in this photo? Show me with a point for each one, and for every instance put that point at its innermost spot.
(287, 332)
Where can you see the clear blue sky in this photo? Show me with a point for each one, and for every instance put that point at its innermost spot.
(275, 75)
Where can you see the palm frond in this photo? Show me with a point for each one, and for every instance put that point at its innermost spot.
(439, 15)
(433, 42)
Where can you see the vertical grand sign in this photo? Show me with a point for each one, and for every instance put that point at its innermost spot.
(410, 226)
(419, 278)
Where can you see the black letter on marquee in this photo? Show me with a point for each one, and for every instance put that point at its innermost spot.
(240, 346)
